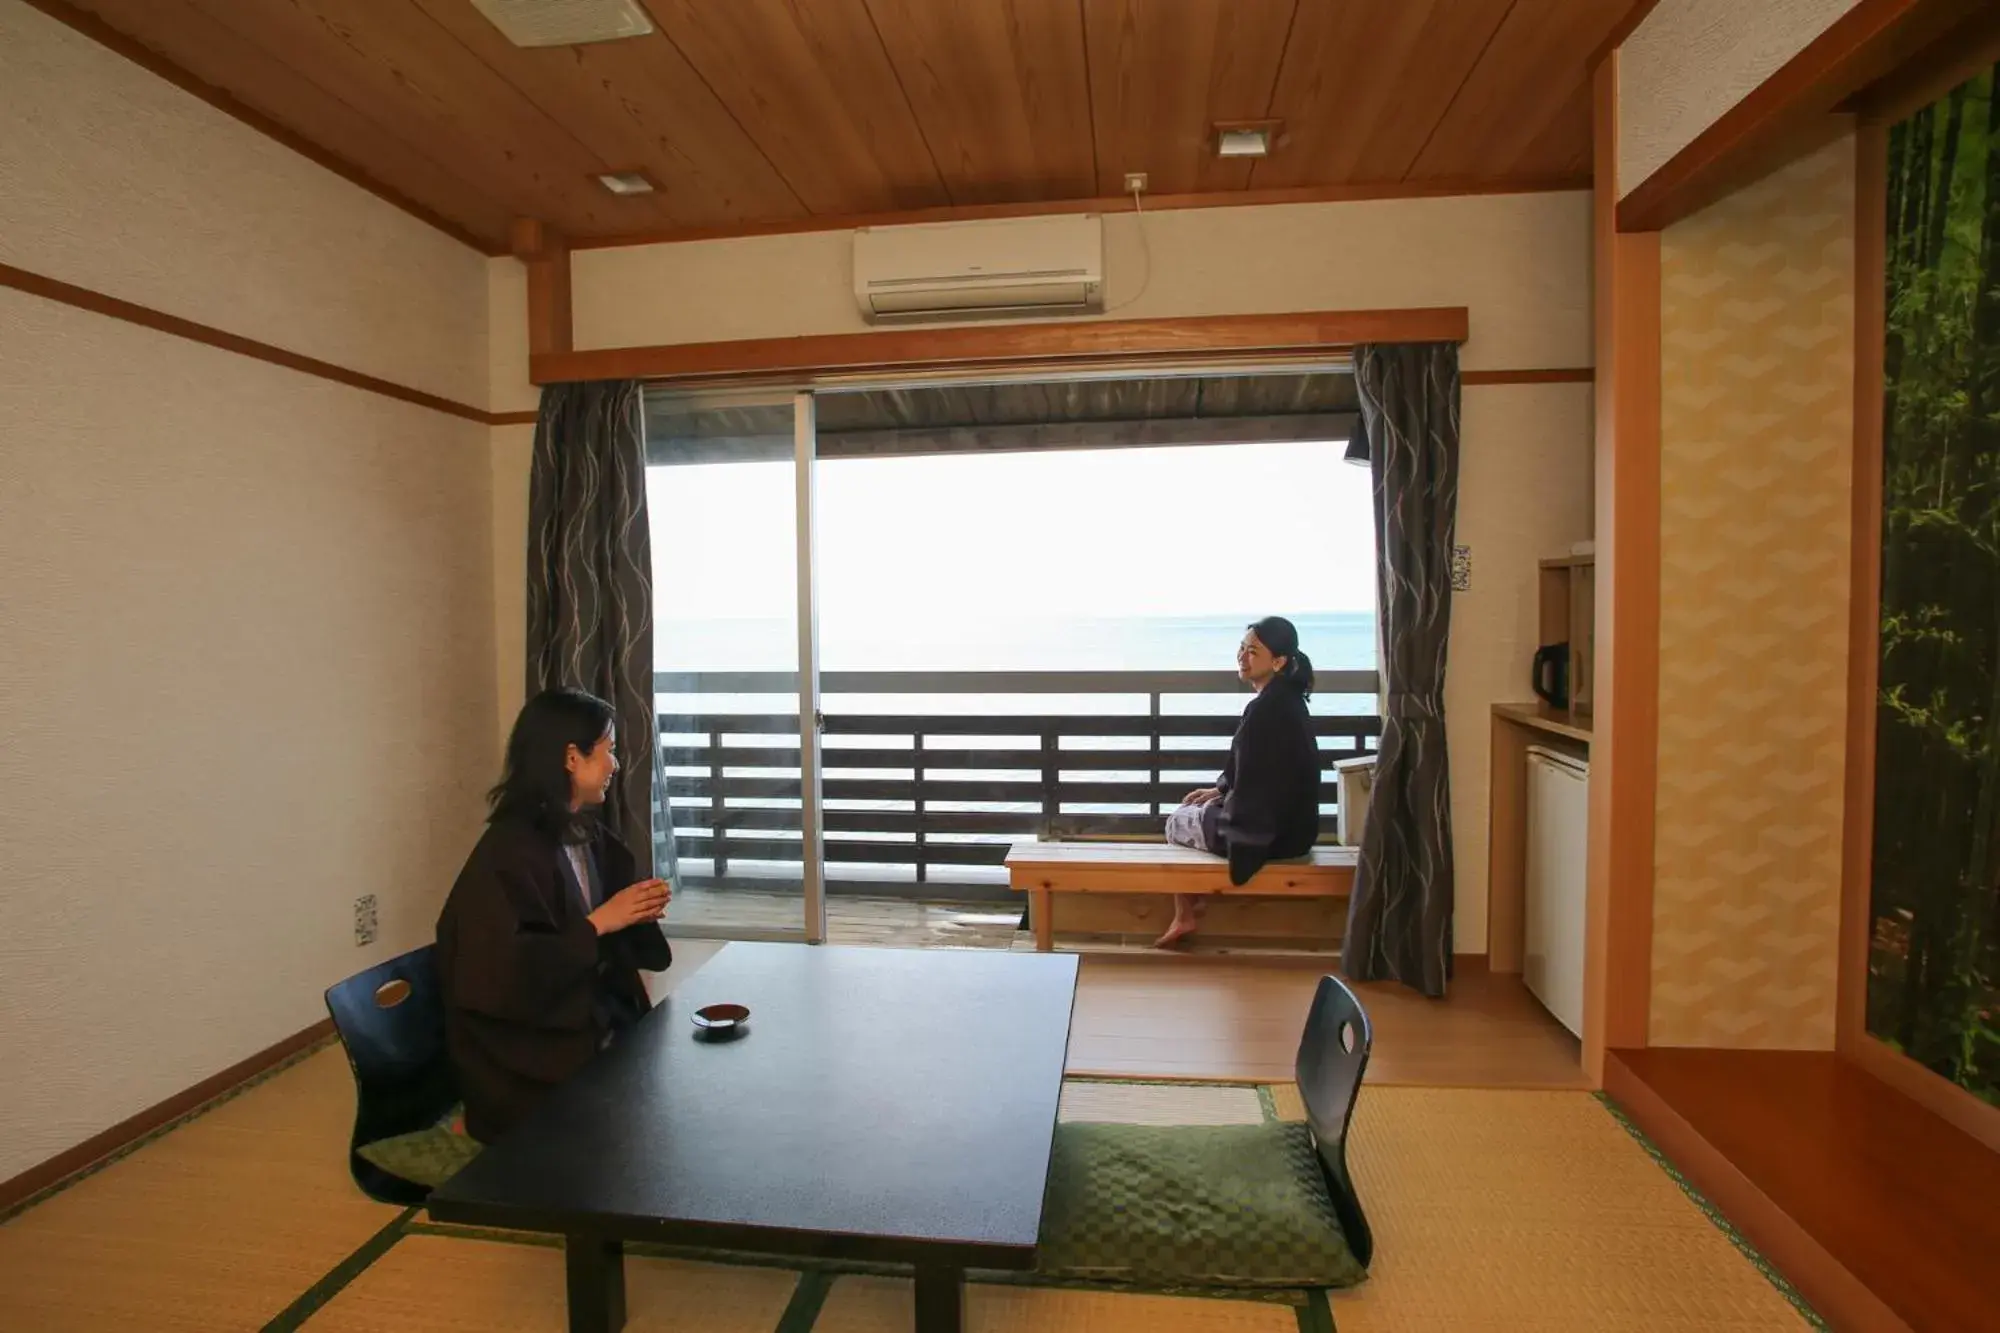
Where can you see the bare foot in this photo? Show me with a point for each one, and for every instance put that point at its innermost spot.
(1182, 927)
(1189, 908)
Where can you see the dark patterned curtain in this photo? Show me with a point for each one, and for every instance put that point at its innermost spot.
(590, 589)
(1399, 919)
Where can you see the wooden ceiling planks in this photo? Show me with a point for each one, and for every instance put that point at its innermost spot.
(1364, 85)
(1532, 74)
(1001, 90)
(756, 114)
(813, 87)
(217, 55)
(389, 56)
(1562, 150)
(678, 132)
(1162, 76)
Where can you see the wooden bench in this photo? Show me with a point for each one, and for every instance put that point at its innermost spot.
(1043, 869)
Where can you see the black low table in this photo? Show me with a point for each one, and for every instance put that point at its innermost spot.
(884, 1104)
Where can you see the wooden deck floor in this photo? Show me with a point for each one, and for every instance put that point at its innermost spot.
(852, 919)
(1163, 1015)
(1131, 924)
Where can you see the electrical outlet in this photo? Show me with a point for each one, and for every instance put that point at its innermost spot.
(1135, 182)
(364, 919)
(1461, 568)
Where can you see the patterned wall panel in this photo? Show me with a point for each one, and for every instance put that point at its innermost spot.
(1755, 548)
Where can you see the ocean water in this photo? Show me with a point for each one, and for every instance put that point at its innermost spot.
(919, 643)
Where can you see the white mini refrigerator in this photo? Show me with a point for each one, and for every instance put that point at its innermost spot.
(1558, 828)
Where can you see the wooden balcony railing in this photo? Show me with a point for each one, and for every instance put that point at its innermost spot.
(924, 780)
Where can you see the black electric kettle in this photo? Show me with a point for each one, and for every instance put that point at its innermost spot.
(1551, 674)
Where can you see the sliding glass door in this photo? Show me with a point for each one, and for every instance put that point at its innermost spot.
(730, 497)
(1017, 645)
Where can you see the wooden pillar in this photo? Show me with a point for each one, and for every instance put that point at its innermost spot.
(1624, 748)
(1871, 258)
(546, 255)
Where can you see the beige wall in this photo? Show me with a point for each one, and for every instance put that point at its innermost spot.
(1524, 492)
(114, 179)
(1692, 60)
(248, 645)
(508, 388)
(1520, 263)
(510, 446)
(1756, 443)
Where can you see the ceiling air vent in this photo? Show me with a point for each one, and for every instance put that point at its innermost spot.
(565, 22)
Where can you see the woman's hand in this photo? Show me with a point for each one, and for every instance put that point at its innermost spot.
(630, 906)
(1202, 796)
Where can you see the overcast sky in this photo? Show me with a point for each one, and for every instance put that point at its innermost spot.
(1099, 533)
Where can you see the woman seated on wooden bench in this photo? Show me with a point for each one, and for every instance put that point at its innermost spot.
(1265, 806)
(542, 938)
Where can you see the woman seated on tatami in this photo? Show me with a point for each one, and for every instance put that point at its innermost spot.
(1265, 806)
(543, 936)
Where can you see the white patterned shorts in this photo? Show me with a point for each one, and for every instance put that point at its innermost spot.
(1184, 828)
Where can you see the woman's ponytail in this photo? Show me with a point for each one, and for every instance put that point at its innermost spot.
(1299, 671)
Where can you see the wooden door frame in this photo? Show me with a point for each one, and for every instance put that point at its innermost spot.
(1624, 748)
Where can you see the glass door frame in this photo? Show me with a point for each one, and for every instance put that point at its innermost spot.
(812, 851)
(802, 391)
(812, 927)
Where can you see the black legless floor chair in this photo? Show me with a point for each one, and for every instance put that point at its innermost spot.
(391, 1021)
(1333, 1056)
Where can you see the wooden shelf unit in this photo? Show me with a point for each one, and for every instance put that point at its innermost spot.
(1568, 591)
(1568, 615)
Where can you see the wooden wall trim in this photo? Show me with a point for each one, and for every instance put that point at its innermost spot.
(1056, 344)
(1965, 51)
(1795, 110)
(1823, 1280)
(1624, 758)
(82, 298)
(1312, 332)
(1561, 375)
(1162, 203)
(134, 1129)
(97, 30)
(1865, 596)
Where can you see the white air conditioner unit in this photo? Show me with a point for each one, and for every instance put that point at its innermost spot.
(965, 270)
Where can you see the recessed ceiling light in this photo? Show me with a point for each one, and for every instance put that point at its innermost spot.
(1246, 138)
(1242, 143)
(626, 182)
(565, 22)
